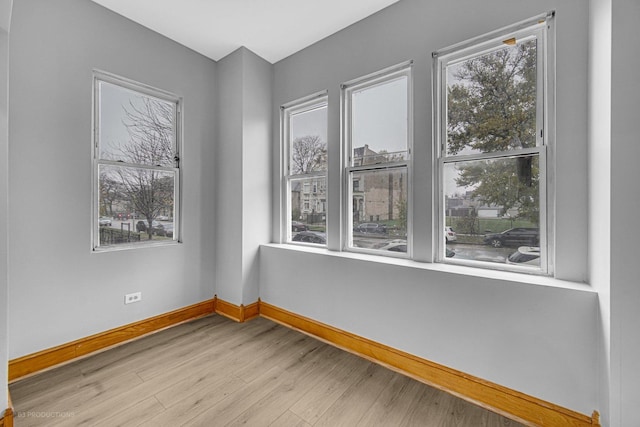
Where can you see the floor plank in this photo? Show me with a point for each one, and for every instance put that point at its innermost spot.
(213, 371)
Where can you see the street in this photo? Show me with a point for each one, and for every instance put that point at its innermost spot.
(481, 252)
(462, 251)
(130, 224)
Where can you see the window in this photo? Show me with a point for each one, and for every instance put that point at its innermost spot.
(136, 164)
(377, 138)
(493, 129)
(304, 133)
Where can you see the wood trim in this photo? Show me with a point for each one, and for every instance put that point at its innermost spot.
(237, 313)
(6, 419)
(510, 403)
(44, 359)
(252, 311)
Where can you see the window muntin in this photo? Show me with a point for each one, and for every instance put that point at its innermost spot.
(377, 134)
(136, 164)
(304, 125)
(493, 142)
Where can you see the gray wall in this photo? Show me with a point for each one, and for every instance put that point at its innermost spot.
(5, 18)
(600, 184)
(243, 175)
(228, 183)
(625, 205)
(59, 290)
(507, 329)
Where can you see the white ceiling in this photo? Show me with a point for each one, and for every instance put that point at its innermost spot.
(273, 29)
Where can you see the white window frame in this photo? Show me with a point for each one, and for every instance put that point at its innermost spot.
(302, 105)
(151, 92)
(541, 27)
(381, 77)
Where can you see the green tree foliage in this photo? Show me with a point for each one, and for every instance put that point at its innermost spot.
(492, 108)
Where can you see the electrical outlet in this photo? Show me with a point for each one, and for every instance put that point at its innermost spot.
(134, 297)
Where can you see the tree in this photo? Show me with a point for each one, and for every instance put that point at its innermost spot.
(308, 154)
(492, 108)
(151, 126)
(109, 193)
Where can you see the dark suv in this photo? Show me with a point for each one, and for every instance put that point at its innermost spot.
(520, 236)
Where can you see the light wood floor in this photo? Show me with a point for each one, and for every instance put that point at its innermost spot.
(215, 372)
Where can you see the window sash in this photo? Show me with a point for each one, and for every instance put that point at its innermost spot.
(388, 75)
(173, 170)
(311, 197)
(304, 105)
(535, 28)
(376, 79)
(361, 173)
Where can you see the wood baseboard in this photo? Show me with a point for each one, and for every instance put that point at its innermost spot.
(238, 313)
(510, 403)
(6, 419)
(48, 358)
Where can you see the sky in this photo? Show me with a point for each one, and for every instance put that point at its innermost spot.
(311, 122)
(380, 116)
(112, 131)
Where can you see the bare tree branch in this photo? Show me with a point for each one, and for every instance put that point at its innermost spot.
(308, 154)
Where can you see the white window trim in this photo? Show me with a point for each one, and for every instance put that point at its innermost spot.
(371, 80)
(147, 90)
(307, 103)
(543, 27)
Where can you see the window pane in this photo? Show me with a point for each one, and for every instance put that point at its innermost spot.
(491, 100)
(379, 209)
(308, 210)
(379, 123)
(135, 204)
(135, 128)
(308, 141)
(494, 208)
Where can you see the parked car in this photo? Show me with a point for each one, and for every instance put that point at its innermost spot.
(104, 221)
(156, 227)
(371, 227)
(298, 226)
(395, 246)
(310, 237)
(450, 235)
(514, 237)
(168, 230)
(527, 255)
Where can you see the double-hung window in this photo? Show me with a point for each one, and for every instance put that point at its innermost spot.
(304, 134)
(494, 135)
(136, 164)
(377, 134)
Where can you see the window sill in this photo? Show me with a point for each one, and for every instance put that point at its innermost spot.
(521, 278)
(142, 245)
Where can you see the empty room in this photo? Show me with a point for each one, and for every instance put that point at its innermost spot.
(376, 212)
